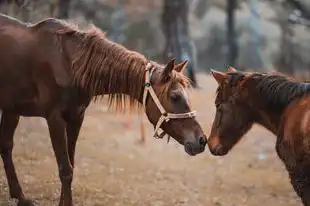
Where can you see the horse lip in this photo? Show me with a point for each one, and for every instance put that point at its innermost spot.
(188, 147)
(219, 151)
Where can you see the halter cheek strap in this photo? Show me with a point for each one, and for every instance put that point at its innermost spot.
(165, 116)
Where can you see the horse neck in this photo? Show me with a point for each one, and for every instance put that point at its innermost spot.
(120, 77)
(263, 114)
(118, 82)
(268, 119)
(123, 86)
(129, 80)
(274, 104)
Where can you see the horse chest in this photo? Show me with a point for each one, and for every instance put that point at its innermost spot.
(35, 106)
(35, 100)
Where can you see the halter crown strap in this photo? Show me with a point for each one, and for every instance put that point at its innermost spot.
(148, 89)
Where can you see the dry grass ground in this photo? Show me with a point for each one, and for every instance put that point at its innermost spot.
(113, 170)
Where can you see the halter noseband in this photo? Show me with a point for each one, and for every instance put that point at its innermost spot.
(165, 116)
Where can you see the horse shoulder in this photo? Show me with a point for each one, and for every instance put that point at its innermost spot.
(297, 125)
(51, 51)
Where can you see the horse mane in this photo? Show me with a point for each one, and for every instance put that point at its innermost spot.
(279, 90)
(104, 67)
(98, 60)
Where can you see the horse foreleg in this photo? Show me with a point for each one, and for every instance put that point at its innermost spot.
(74, 121)
(57, 129)
(300, 179)
(7, 128)
(306, 196)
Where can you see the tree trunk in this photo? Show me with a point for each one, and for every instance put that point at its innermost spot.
(231, 33)
(63, 9)
(178, 42)
(286, 59)
(303, 6)
(118, 19)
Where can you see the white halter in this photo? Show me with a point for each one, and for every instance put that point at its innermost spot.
(164, 115)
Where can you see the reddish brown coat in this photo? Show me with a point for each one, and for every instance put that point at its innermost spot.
(280, 104)
(53, 70)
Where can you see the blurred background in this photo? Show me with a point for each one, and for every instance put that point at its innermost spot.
(256, 34)
(111, 168)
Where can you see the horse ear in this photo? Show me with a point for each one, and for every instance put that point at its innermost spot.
(168, 69)
(180, 67)
(231, 69)
(219, 76)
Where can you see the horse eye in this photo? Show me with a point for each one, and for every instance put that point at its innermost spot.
(176, 98)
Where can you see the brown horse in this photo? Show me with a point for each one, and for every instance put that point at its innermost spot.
(278, 103)
(53, 70)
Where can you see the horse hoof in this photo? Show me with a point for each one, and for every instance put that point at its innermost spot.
(25, 202)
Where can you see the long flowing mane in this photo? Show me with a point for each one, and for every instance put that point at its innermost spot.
(101, 66)
(104, 67)
(278, 89)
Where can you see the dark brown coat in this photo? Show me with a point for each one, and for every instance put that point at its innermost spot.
(53, 70)
(280, 104)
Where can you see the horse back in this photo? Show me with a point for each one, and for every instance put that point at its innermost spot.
(6, 20)
(48, 24)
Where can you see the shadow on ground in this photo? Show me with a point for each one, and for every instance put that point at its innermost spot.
(113, 169)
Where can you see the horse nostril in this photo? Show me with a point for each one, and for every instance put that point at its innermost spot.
(202, 140)
(219, 150)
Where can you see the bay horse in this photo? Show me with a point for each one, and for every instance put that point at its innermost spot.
(53, 69)
(280, 104)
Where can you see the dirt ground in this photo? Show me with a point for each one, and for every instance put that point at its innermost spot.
(112, 169)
